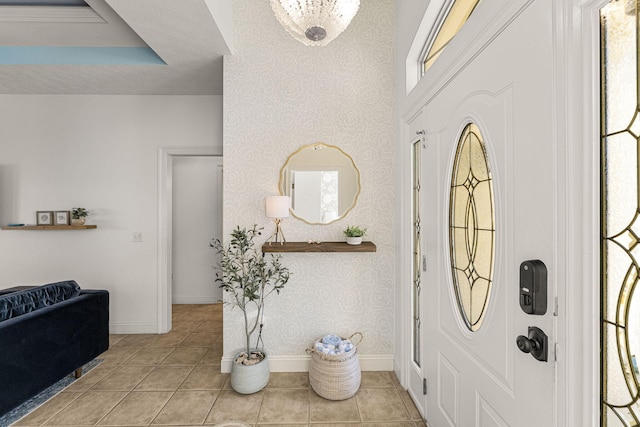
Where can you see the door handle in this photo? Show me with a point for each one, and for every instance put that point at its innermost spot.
(535, 343)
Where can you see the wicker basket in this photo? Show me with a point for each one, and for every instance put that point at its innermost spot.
(335, 377)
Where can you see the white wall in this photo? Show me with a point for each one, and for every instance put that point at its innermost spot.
(101, 153)
(280, 95)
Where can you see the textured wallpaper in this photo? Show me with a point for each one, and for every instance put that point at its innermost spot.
(278, 96)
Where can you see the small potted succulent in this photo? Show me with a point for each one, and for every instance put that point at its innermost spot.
(79, 216)
(354, 234)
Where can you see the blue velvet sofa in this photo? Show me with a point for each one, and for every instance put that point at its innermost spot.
(46, 333)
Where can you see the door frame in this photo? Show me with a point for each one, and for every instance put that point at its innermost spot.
(165, 217)
(577, 129)
(580, 332)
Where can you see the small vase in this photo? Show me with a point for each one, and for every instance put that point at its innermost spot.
(354, 240)
(78, 221)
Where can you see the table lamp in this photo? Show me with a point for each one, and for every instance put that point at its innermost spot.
(277, 207)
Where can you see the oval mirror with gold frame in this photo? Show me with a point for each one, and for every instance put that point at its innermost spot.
(322, 181)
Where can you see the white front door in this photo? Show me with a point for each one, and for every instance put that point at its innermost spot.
(476, 374)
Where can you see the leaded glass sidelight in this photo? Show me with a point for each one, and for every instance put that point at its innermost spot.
(620, 248)
(417, 279)
(471, 227)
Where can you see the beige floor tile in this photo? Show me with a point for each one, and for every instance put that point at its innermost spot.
(91, 378)
(284, 406)
(87, 409)
(135, 340)
(198, 317)
(377, 379)
(411, 407)
(212, 357)
(210, 326)
(153, 377)
(149, 356)
(337, 425)
(177, 316)
(204, 377)
(113, 338)
(390, 424)
(185, 356)
(123, 378)
(187, 407)
(395, 380)
(117, 355)
(288, 380)
(184, 326)
(323, 410)
(170, 339)
(164, 378)
(199, 339)
(289, 425)
(233, 406)
(48, 410)
(381, 404)
(137, 409)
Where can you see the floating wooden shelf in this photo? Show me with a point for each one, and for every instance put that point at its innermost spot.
(49, 227)
(318, 247)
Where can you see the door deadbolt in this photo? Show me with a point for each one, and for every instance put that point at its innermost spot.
(533, 287)
(535, 343)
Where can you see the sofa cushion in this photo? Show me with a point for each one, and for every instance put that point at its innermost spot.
(21, 302)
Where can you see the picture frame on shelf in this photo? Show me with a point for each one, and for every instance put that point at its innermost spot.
(61, 218)
(44, 217)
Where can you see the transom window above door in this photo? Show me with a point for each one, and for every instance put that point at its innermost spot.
(454, 14)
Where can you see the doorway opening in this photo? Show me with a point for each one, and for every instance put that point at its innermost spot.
(166, 157)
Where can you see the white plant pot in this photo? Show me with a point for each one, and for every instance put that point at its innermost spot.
(354, 240)
(249, 379)
(78, 221)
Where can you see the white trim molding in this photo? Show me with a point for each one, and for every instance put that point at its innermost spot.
(133, 328)
(70, 14)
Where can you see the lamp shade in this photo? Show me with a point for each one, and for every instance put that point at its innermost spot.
(277, 206)
(315, 22)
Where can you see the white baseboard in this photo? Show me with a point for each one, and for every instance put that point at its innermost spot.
(130, 328)
(301, 363)
(189, 299)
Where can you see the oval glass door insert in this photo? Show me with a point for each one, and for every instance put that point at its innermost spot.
(472, 227)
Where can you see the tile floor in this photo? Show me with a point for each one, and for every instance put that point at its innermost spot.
(175, 379)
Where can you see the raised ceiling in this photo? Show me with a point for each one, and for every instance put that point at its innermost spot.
(150, 47)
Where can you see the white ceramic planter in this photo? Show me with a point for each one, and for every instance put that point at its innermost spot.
(354, 240)
(248, 379)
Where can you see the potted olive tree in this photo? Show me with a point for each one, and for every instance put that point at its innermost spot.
(248, 277)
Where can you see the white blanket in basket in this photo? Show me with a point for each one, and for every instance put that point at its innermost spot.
(333, 344)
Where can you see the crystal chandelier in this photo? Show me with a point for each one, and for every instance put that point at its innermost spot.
(315, 22)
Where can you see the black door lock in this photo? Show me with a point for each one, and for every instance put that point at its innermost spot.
(536, 343)
(533, 287)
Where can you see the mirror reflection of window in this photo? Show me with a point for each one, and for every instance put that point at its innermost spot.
(315, 195)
